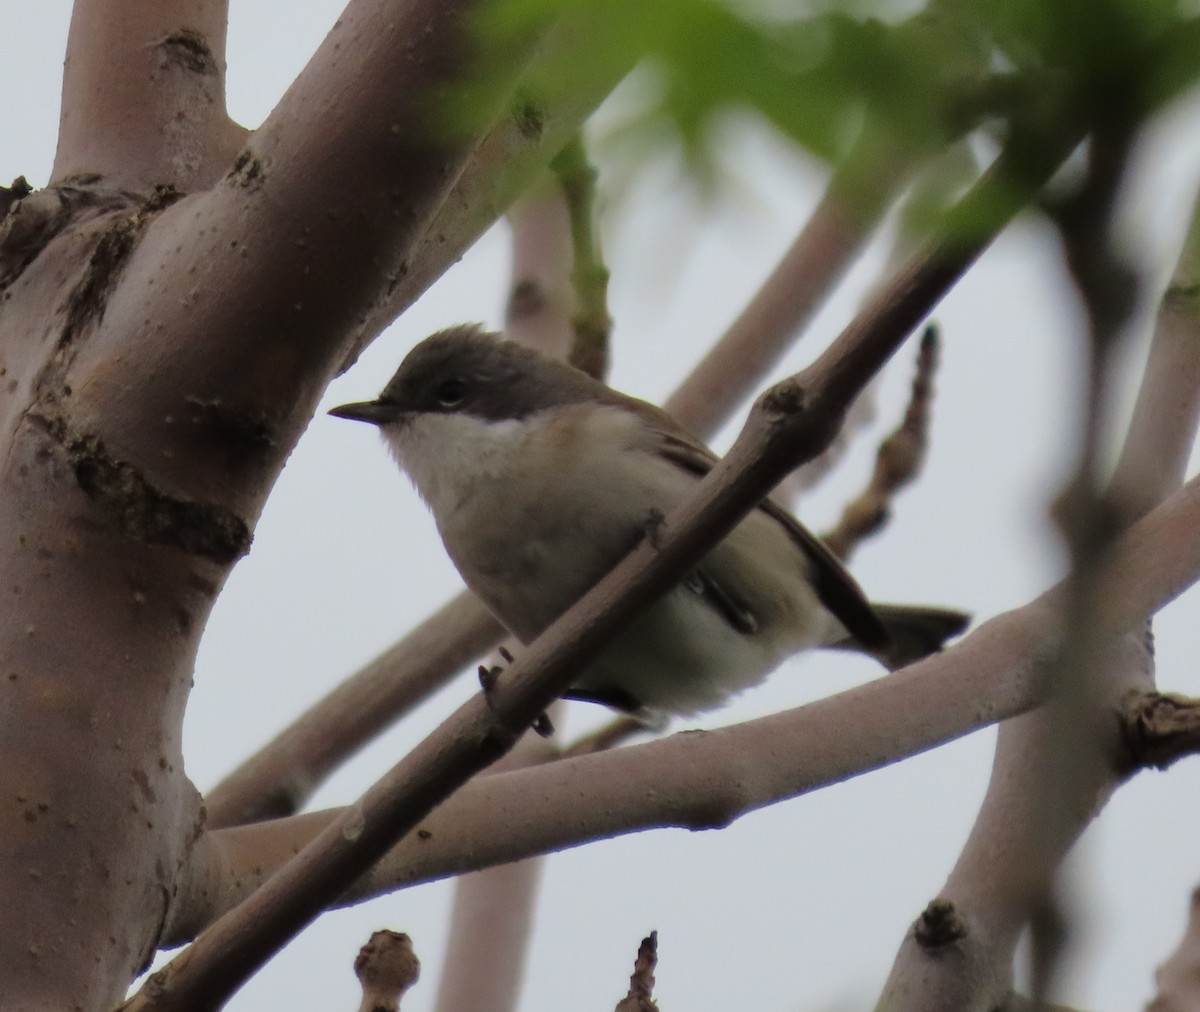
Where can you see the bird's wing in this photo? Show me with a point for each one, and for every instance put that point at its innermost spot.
(834, 586)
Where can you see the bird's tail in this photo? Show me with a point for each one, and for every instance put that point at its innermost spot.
(915, 632)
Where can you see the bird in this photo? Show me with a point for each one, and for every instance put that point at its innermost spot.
(541, 479)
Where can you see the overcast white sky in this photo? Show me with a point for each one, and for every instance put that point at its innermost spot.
(797, 908)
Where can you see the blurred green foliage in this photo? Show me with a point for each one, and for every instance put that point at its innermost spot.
(919, 76)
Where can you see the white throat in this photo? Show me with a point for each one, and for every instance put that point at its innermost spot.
(447, 456)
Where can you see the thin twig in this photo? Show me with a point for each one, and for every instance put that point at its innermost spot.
(1159, 729)
(386, 968)
(589, 274)
(898, 462)
(641, 982)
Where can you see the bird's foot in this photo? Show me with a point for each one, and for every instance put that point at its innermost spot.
(653, 526)
(489, 674)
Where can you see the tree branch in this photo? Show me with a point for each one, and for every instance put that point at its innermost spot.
(855, 200)
(703, 780)
(144, 95)
(491, 922)
(589, 275)
(386, 967)
(1017, 845)
(323, 207)
(1178, 979)
(541, 299)
(1162, 430)
(279, 778)
(791, 423)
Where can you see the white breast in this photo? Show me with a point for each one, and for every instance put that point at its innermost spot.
(533, 511)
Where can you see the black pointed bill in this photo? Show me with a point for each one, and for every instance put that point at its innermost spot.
(375, 412)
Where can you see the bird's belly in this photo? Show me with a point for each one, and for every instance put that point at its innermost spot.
(682, 657)
(529, 581)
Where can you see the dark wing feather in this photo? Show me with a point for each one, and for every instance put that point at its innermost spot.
(834, 586)
(736, 614)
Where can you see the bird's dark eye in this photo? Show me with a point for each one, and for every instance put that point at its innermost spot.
(451, 393)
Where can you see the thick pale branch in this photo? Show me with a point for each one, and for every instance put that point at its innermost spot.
(1012, 853)
(144, 95)
(1162, 431)
(277, 263)
(504, 164)
(1160, 440)
(697, 780)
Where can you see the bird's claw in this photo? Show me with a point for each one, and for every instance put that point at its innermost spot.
(489, 674)
(656, 520)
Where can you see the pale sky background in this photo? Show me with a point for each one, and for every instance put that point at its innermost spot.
(800, 907)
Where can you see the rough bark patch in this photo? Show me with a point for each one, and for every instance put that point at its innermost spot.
(143, 512)
(189, 49)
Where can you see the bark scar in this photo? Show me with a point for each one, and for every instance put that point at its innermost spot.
(189, 49)
(142, 511)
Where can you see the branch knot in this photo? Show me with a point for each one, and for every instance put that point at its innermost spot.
(939, 925)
